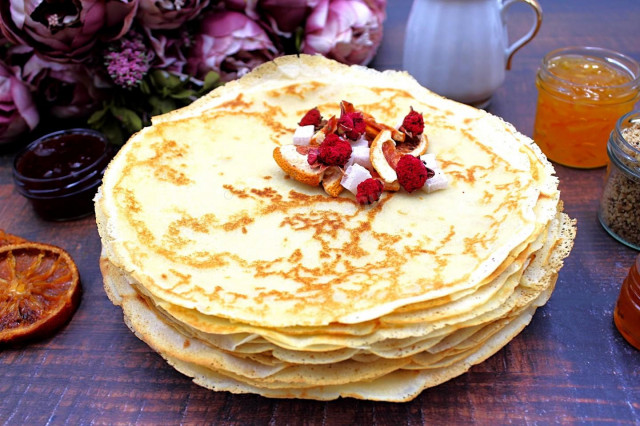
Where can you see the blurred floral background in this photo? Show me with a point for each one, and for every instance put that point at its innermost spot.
(115, 63)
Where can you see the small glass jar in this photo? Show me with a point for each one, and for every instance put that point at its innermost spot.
(619, 211)
(626, 315)
(60, 172)
(582, 91)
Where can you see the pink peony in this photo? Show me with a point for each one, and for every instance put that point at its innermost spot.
(169, 52)
(168, 14)
(18, 114)
(248, 7)
(66, 90)
(64, 30)
(119, 17)
(348, 31)
(231, 44)
(283, 16)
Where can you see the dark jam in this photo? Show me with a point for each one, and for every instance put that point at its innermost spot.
(627, 313)
(61, 172)
(60, 156)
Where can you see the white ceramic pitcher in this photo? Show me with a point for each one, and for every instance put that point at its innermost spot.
(460, 48)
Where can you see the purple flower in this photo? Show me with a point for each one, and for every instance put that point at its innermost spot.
(64, 30)
(18, 114)
(231, 44)
(168, 14)
(66, 90)
(348, 31)
(128, 61)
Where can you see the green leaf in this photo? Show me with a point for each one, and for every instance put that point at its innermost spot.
(98, 117)
(184, 94)
(129, 119)
(299, 35)
(211, 81)
(145, 88)
(114, 133)
(161, 105)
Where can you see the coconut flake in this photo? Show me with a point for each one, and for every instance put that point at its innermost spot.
(430, 161)
(439, 180)
(353, 176)
(362, 141)
(303, 135)
(360, 155)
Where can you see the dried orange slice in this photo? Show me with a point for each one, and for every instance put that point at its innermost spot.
(39, 290)
(6, 239)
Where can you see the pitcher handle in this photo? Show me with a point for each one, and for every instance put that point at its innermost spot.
(532, 31)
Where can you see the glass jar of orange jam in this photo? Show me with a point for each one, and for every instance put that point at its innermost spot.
(626, 315)
(582, 91)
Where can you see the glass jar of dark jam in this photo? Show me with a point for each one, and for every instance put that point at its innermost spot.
(60, 172)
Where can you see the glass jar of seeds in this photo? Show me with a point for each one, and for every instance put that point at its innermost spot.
(619, 211)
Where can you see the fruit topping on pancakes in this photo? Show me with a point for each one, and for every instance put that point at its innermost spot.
(359, 154)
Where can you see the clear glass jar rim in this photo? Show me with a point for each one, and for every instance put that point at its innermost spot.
(619, 148)
(631, 117)
(621, 60)
(75, 131)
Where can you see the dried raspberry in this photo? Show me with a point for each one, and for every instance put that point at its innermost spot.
(312, 156)
(412, 173)
(369, 191)
(334, 151)
(413, 123)
(352, 125)
(311, 118)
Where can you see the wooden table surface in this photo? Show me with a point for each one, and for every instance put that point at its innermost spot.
(569, 365)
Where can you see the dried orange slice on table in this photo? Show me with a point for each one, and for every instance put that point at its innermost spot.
(6, 239)
(39, 290)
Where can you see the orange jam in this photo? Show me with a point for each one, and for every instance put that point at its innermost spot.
(627, 313)
(581, 94)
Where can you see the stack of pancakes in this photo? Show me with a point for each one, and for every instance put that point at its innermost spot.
(248, 281)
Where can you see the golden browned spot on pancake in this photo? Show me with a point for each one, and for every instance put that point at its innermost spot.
(471, 243)
(450, 235)
(130, 201)
(166, 152)
(272, 116)
(168, 174)
(298, 90)
(240, 193)
(240, 220)
(267, 177)
(468, 174)
(486, 197)
(173, 238)
(200, 224)
(449, 164)
(390, 93)
(183, 279)
(237, 103)
(267, 193)
(186, 343)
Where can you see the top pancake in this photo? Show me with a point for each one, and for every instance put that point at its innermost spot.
(195, 209)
